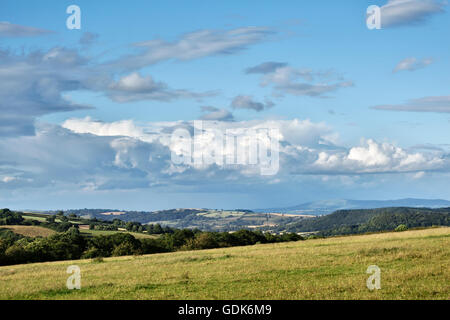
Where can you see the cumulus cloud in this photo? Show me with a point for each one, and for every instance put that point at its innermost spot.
(8, 29)
(119, 128)
(193, 45)
(373, 157)
(213, 113)
(125, 155)
(427, 104)
(377, 157)
(409, 12)
(412, 64)
(305, 147)
(247, 102)
(92, 162)
(299, 81)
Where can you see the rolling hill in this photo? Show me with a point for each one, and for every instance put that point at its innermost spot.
(328, 206)
(370, 220)
(203, 219)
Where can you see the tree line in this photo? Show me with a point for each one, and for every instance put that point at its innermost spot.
(71, 245)
(345, 222)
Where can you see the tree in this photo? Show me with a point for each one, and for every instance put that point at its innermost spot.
(123, 249)
(157, 229)
(205, 240)
(8, 217)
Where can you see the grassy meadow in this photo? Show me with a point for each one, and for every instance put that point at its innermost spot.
(414, 265)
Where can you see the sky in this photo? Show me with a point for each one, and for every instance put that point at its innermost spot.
(88, 114)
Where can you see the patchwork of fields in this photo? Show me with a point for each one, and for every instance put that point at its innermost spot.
(414, 265)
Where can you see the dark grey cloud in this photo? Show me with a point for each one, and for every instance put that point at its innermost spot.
(426, 104)
(266, 67)
(409, 12)
(247, 102)
(34, 85)
(14, 30)
(312, 90)
(428, 147)
(88, 38)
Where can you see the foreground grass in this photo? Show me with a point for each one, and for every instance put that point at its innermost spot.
(414, 265)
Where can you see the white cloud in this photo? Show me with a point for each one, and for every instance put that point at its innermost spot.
(419, 175)
(306, 147)
(373, 157)
(134, 87)
(426, 104)
(37, 83)
(8, 29)
(119, 128)
(412, 64)
(193, 45)
(86, 154)
(297, 81)
(7, 179)
(409, 12)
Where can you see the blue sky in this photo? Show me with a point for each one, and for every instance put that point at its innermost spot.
(364, 114)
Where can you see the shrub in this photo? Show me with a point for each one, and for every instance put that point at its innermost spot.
(401, 228)
(97, 260)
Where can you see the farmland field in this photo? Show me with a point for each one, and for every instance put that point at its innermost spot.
(108, 233)
(414, 265)
(30, 231)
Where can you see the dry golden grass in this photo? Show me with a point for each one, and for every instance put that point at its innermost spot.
(30, 231)
(414, 265)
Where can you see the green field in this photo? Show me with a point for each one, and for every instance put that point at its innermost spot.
(29, 217)
(137, 235)
(414, 265)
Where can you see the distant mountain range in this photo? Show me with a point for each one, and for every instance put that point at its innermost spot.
(323, 207)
